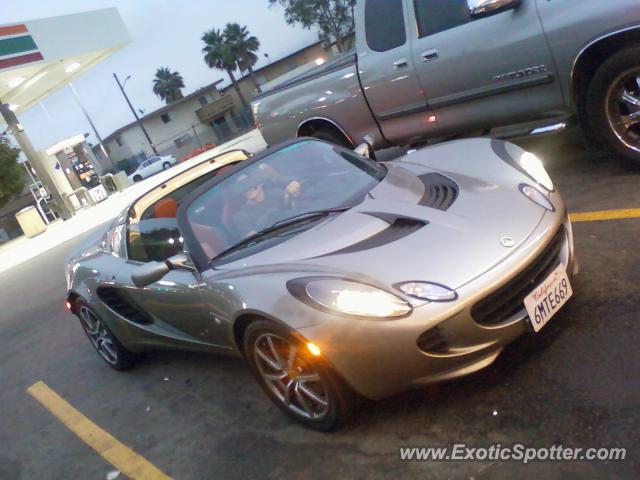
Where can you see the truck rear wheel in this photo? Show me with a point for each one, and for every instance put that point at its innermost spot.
(331, 136)
(613, 103)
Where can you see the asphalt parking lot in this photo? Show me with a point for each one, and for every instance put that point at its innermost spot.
(203, 417)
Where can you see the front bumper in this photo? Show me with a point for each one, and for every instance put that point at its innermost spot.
(380, 358)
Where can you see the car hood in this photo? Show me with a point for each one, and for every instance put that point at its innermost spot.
(395, 236)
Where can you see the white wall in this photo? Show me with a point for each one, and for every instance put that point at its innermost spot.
(183, 121)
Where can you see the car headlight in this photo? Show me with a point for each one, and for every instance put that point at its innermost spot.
(114, 240)
(432, 292)
(348, 297)
(536, 196)
(255, 109)
(535, 169)
(67, 274)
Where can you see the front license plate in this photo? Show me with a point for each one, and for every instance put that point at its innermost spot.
(548, 297)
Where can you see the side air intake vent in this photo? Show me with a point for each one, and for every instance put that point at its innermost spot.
(119, 302)
(400, 228)
(440, 191)
(433, 342)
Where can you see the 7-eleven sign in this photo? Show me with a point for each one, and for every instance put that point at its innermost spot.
(17, 47)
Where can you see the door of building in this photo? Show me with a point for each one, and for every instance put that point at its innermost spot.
(221, 127)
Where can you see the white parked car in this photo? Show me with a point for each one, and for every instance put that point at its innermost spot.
(151, 166)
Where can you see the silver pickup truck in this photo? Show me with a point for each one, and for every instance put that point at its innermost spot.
(428, 69)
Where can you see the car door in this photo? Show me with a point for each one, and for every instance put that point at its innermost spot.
(144, 169)
(480, 71)
(174, 303)
(386, 69)
(156, 165)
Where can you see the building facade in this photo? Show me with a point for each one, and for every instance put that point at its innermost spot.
(207, 116)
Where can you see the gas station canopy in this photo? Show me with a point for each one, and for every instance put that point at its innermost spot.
(39, 56)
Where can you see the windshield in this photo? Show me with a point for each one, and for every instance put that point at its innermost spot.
(308, 176)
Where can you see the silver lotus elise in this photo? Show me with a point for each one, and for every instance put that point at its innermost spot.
(334, 276)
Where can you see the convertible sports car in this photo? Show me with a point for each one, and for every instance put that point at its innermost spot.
(333, 275)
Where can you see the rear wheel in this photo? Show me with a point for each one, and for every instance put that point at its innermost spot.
(103, 340)
(613, 103)
(300, 384)
(331, 136)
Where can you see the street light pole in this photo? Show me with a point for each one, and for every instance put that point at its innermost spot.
(133, 110)
(95, 131)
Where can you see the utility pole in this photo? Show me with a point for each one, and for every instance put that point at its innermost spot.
(95, 131)
(133, 110)
(196, 135)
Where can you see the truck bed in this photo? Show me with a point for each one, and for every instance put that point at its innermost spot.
(328, 95)
(344, 60)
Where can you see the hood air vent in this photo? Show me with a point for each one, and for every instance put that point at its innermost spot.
(400, 227)
(440, 191)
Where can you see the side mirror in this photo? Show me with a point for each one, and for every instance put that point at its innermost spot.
(483, 8)
(366, 148)
(153, 271)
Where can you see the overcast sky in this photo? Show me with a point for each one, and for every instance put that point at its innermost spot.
(164, 33)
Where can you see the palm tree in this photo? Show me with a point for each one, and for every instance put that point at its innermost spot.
(218, 54)
(168, 85)
(244, 47)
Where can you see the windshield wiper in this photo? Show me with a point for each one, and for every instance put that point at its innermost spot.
(287, 222)
(305, 215)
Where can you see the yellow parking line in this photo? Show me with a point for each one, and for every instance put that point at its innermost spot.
(605, 215)
(120, 456)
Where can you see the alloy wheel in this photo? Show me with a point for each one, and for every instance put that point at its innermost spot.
(623, 108)
(99, 335)
(291, 377)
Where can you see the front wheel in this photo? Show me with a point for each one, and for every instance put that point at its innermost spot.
(137, 178)
(613, 103)
(103, 340)
(299, 383)
(165, 165)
